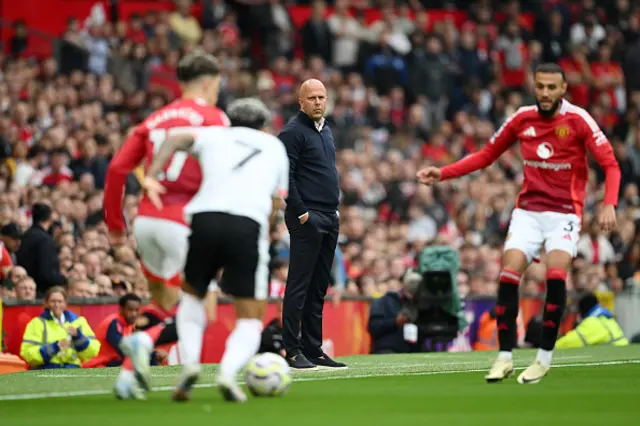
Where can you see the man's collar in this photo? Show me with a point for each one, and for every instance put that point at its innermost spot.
(318, 125)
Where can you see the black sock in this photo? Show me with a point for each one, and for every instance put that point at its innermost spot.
(554, 305)
(169, 333)
(507, 310)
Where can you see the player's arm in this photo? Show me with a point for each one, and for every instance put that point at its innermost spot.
(597, 143)
(174, 143)
(501, 140)
(124, 161)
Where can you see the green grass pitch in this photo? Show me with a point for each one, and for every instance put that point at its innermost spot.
(595, 386)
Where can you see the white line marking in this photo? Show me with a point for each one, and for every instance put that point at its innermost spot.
(48, 395)
(360, 367)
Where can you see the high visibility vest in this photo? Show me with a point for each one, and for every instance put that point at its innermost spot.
(108, 354)
(487, 339)
(595, 330)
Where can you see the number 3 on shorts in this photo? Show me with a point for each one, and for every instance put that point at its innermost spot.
(157, 137)
(570, 226)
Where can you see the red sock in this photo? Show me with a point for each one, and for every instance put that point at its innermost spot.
(154, 332)
(127, 364)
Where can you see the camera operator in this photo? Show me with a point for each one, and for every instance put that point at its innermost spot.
(391, 319)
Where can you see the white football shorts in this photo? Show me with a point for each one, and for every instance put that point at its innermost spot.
(162, 245)
(530, 231)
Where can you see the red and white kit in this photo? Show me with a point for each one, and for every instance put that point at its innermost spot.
(161, 235)
(554, 152)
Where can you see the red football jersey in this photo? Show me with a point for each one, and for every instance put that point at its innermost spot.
(554, 153)
(182, 174)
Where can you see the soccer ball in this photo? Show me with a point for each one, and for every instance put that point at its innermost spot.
(267, 374)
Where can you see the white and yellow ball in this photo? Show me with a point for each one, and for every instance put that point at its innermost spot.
(268, 374)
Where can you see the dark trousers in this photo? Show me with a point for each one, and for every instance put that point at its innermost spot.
(312, 250)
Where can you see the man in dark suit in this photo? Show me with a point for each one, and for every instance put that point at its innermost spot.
(312, 219)
(37, 253)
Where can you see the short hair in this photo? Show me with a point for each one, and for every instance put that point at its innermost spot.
(56, 289)
(41, 212)
(249, 112)
(550, 68)
(129, 297)
(197, 64)
(586, 303)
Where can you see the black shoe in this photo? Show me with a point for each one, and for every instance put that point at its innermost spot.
(300, 362)
(324, 361)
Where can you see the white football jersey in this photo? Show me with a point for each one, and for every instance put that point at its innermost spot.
(243, 169)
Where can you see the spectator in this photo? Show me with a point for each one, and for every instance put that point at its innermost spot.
(80, 288)
(598, 327)
(37, 253)
(316, 34)
(280, 269)
(429, 79)
(346, 34)
(25, 289)
(278, 29)
(185, 26)
(111, 331)
(11, 236)
(387, 319)
(9, 242)
(58, 338)
(595, 247)
(19, 41)
(58, 171)
(588, 31)
(17, 274)
(104, 286)
(213, 12)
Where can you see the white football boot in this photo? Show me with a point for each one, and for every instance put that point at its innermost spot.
(134, 347)
(500, 370)
(533, 373)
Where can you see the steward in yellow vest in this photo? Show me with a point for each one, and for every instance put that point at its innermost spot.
(598, 327)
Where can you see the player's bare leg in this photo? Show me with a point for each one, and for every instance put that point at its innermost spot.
(242, 344)
(514, 263)
(558, 263)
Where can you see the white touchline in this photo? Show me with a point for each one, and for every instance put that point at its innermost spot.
(367, 366)
(48, 395)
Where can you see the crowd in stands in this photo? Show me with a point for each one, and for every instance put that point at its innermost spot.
(405, 90)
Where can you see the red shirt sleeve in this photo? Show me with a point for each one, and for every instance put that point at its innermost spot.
(597, 143)
(5, 260)
(504, 138)
(126, 159)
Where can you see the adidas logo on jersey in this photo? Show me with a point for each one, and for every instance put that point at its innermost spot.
(530, 132)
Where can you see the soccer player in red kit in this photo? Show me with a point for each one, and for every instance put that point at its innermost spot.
(161, 234)
(554, 139)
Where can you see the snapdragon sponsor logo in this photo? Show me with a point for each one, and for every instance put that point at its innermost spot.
(547, 166)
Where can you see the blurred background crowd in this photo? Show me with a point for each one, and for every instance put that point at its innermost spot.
(408, 86)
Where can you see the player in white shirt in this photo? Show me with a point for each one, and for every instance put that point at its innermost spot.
(245, 177)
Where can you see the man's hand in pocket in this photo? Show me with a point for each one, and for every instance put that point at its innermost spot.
(304, 218)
